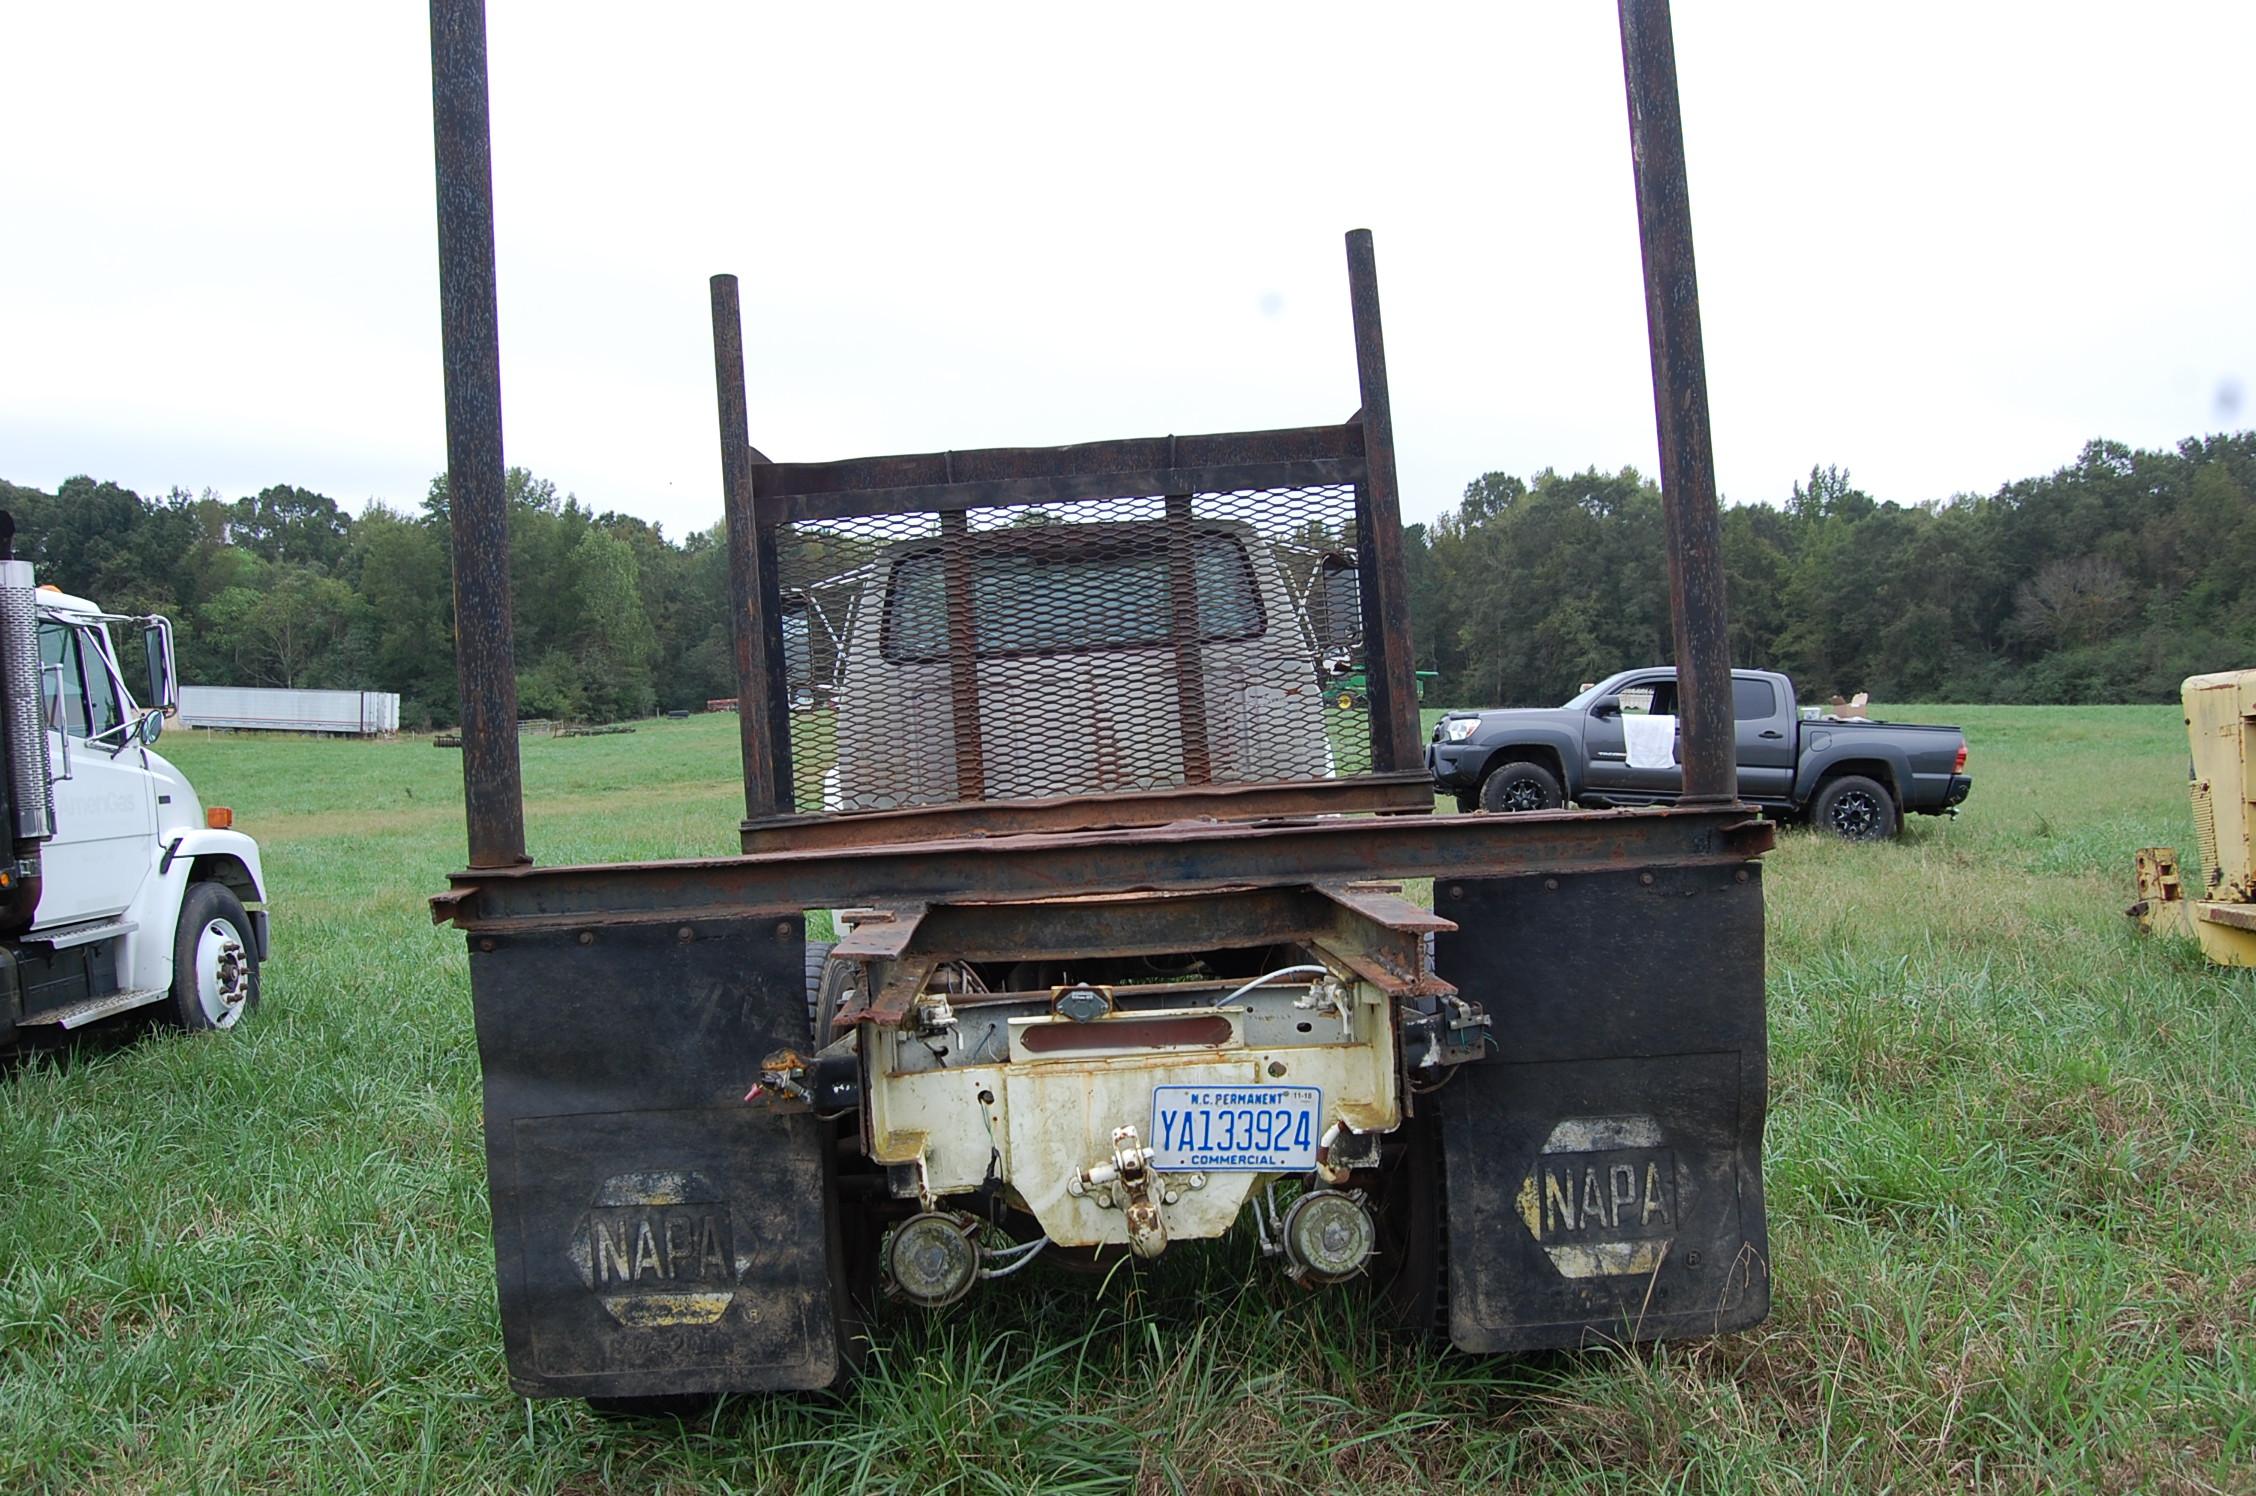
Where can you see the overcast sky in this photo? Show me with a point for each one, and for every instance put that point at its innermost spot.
(1940, 245)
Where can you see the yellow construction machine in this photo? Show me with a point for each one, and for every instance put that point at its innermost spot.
(2220, 911)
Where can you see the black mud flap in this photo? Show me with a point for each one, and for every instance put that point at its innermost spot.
(1604, 1165)
(653, 1234)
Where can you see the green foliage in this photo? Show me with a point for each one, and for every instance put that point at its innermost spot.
(284, 588)
(613, 633)
(2108, 580)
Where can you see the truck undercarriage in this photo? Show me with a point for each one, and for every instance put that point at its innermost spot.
(1128, 943)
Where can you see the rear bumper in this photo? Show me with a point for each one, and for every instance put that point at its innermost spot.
(1955, 791)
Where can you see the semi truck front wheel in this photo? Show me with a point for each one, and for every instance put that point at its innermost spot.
(215, 975)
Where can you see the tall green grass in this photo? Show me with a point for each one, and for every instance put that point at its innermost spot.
(2012, 1188)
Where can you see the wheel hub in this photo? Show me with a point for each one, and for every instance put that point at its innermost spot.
(1854, 815)
(223, 973)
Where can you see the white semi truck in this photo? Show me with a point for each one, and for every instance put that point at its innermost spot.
(118, 890)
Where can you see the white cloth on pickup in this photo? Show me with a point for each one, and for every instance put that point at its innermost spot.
(1651, 741)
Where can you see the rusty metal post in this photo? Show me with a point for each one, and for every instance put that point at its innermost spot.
(1680, 401)
(748, 614)
(964, 715)
(1387, 669)
(477, 504)
(1183, 628)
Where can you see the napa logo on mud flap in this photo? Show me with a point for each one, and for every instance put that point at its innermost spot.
(1600, 1198)
(657, 1249)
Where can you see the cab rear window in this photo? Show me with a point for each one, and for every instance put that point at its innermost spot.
(1753, 700)
(1043, 597)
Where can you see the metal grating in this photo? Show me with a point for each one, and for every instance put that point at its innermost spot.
(2205, 833)
(1073, 646)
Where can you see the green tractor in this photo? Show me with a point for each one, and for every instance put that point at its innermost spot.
(1348, 691)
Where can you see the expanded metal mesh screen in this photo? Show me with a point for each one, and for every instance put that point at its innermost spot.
(1078, 646)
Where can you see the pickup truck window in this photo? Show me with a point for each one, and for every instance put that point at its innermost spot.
(1047, 599)
(1753, 700)
(1649, 698)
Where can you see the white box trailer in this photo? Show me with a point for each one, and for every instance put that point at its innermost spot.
(273, 709)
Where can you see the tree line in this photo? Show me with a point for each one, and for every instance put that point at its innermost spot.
(287, 588)
(2108, 580)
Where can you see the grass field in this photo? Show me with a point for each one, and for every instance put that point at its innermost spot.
(2011, 1173)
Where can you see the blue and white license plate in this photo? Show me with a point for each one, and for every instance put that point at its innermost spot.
(1225, 1129)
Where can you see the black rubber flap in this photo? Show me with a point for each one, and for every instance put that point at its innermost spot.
(1604, 1166)
(653, 1233)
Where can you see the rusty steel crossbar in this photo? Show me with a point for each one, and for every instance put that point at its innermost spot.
(1391, 793)
(1217, 462)
(1199, 855)
(1146, 924)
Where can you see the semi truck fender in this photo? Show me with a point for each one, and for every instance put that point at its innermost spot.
(182, 858)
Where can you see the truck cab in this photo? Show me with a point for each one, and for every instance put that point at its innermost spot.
(1762, 724)
(122, 891)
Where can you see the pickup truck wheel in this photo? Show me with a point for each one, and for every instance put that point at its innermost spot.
(215, 969)
(1855, 808)
(1521, 786)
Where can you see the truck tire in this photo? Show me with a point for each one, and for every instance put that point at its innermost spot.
(1410, 1273)
(827, 981)
(856, 1232)
(818, 958)
(1518, 786)
(215, 968)
(1855, 808)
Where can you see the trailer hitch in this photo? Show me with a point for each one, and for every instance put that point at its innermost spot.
(1127, 1176)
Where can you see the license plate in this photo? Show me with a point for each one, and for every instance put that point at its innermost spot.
(1226, 1129)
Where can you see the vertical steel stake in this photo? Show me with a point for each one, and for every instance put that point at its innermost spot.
(1393, 684)
(1680, 402)
(477, 505)
(749, 624)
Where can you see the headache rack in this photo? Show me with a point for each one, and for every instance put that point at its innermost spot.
(1121, 633)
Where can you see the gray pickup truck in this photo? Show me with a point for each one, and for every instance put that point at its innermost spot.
(1849, 776)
